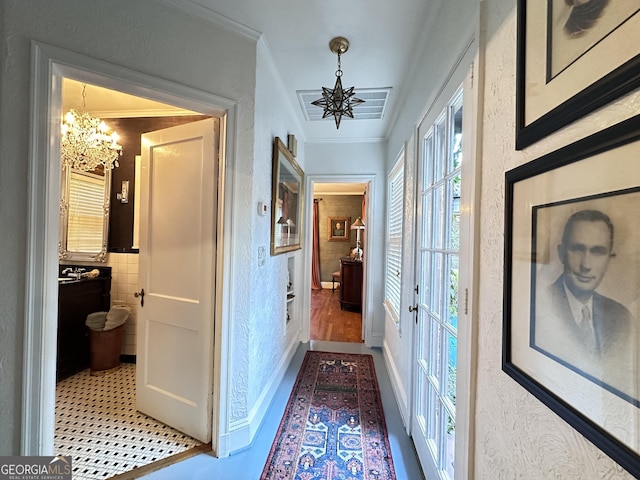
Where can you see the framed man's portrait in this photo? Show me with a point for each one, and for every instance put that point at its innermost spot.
(572, 286)
(339, 228)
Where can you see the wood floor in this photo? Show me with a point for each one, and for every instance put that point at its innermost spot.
(329, 323)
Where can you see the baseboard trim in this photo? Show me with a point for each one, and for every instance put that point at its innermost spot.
(396, 384)
(128, 358)
(242, 433)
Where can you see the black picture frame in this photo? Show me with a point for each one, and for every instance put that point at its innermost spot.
(549, 98)
(600, 172)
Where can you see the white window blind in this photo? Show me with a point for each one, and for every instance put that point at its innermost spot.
(394, 239)
(86, 212)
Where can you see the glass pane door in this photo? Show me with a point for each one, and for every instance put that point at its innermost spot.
(437, 266)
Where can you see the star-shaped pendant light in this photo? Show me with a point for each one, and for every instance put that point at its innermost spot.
(338, 101)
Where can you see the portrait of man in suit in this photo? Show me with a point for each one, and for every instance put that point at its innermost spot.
(589, 332)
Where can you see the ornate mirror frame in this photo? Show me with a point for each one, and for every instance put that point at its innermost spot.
(65, 253)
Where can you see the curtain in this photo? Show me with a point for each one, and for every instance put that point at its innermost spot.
(316, 283)
(364, 219)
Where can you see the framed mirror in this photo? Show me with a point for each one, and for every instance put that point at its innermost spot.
(84, 215)
(286, 201)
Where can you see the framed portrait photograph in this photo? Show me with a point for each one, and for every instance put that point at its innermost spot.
(572, 286)
(572, 58)
(286, 201)
(339, 228)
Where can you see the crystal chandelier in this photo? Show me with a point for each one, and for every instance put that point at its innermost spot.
(87, 142)
(337, 101)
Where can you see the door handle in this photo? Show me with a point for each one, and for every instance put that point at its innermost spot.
(141, 295)
(413, 309)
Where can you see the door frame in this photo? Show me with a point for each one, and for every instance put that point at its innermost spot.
(466, 72)
(49, 66)
(367, 302)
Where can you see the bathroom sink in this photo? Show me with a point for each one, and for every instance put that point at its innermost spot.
(66, 279)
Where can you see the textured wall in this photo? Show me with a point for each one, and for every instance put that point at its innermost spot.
(157, 41)
(260, 343)
(516, 435)
(332, 251)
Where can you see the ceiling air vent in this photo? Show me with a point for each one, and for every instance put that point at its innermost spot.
(375, 101)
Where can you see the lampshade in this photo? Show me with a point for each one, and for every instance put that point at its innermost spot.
(358, 224)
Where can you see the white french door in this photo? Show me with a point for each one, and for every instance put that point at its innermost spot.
(439, 183)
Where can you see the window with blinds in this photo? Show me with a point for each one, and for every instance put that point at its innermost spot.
(86, 212)
(393, 280)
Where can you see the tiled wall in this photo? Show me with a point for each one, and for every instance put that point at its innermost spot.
(124, 282)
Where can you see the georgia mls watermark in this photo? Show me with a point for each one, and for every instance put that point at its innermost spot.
(35, 468)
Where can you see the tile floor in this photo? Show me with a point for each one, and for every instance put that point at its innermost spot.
(98, 426)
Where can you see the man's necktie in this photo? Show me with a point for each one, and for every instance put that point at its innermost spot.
(587, 328)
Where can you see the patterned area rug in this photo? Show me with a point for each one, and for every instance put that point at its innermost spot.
(333, 427)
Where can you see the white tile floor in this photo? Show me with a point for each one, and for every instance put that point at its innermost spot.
(98, 426)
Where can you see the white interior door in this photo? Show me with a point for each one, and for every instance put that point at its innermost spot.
(177, 263)
(439, 177)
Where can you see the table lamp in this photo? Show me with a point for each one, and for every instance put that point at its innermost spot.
(357, 225)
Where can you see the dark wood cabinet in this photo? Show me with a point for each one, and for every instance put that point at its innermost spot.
(350, 284)
(76, 300)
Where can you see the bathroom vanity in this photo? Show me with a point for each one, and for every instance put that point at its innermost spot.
(77, 298)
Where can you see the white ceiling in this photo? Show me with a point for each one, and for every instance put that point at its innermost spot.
(106, 103)
(386, 37)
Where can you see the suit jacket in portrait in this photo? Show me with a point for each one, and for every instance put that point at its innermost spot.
(556, 334)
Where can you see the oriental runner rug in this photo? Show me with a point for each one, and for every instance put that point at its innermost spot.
(333, 427)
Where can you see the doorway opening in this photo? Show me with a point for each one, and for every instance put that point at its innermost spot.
(51, 68)
(100, 422)
(339, 223)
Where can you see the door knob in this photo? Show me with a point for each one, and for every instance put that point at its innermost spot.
(141, 295)
(412, 308)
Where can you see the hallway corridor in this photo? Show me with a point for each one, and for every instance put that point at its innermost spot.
(248, 464)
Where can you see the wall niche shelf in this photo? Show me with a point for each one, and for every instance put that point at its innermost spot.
(290, 290)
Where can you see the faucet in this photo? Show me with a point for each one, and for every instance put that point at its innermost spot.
(73, 272)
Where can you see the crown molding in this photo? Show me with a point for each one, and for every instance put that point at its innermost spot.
(146, 112)
(195, 9)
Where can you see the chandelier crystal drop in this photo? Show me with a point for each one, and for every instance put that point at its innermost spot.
(87, 142)
(338, 101)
